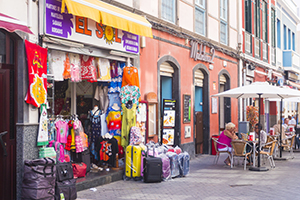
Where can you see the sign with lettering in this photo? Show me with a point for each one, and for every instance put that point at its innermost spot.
(168, 123)
(186, 108)
(87, 31)
(200, 54)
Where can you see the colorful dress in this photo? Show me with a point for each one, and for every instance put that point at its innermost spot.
(114, 123)
(88, 69)
(75, 67)
(96, 126)
(62, 131)
(130, 93)
(116, 80)
(128, 120)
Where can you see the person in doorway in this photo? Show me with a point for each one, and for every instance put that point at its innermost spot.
(263, 134)
(226, 137)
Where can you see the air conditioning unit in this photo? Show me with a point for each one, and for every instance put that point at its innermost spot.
(250, 70)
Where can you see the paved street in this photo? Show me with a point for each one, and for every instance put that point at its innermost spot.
(208, 181)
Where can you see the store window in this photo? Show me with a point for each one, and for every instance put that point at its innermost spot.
(7, 55)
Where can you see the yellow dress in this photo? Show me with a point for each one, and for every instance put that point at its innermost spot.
(128, 121)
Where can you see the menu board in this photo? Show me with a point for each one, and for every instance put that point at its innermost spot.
(168, 123)
(186, 108)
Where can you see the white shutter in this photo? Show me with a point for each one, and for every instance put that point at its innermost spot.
(222, 79)
(199, 78)
(166, 69)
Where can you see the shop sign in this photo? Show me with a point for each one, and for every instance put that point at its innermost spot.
(200, 54)
(87, 31)
(168, 124)
(292, 76)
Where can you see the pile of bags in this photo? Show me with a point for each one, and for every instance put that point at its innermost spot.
(155, 162)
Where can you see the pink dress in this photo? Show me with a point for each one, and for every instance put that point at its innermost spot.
(61, 131)
(225, 140)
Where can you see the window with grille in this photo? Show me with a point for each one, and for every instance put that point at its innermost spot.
(257, 47)
(248, 43)
(265, 51)
(200, 21)
(248, 16)
(200, 3)
(223, 32)
(168, 10)
(264, 21)
(257, 18)
(223, 10)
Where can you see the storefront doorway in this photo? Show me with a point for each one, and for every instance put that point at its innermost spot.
(224, 102)
(169, 89)
(7, 118)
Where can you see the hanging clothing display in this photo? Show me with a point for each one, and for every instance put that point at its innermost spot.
(62, 131)
(75, 67)
(130, 93)
(67, 68)
(101, 96)
(114, 98)
(43, 127)
(37, 74)
(130, 77)
(88, 69)
(56, 61)
(114, 123)
(116, 80)
(104, 128)
(96, 125)
(103, 69)
(107, 148)
(128, 120)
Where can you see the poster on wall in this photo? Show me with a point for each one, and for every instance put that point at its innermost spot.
(86, 31)
(168, 136)
(168, 124)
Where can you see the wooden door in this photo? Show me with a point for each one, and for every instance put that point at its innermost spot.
(8, 144)
(199, 132)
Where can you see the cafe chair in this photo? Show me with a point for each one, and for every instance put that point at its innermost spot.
(218, 152)
(267, 150)
(289, 144)
(239, 150)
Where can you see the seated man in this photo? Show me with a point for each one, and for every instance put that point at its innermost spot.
(292, 121)
(263, 134)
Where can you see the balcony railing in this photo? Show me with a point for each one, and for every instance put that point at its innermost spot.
(248, 43)
(273, 56)
(265, 51)
(291, 60)
(257, 47)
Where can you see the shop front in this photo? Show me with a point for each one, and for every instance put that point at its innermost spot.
(183, 74)
(93, 81)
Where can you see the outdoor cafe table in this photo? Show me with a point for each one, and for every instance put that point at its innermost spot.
(253, 149)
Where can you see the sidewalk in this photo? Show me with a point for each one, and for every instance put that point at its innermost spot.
(209, 181)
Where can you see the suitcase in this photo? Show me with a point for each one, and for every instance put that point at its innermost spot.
(166, 170)
(152, 170)
(66, 190)
(174, 164)
(64, 171)
(83, 157)
(184, 163)
(39, 179)
(133, 161)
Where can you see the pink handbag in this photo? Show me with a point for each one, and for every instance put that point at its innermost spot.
(79, 169)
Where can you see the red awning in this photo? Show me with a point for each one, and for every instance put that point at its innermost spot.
(11, 24)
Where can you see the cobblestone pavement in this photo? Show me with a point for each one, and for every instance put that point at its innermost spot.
(208, 181)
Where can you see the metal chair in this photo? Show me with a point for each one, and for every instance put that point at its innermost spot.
(218, 152)
(267, 150)
(288, 145)
(239, 150)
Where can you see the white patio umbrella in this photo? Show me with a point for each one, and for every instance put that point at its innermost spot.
(291, 99)
(258, 90)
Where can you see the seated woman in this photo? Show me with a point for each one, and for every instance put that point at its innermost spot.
(226, 137)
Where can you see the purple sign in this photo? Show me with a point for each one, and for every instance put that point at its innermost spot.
(57, 23)
(130, 42)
